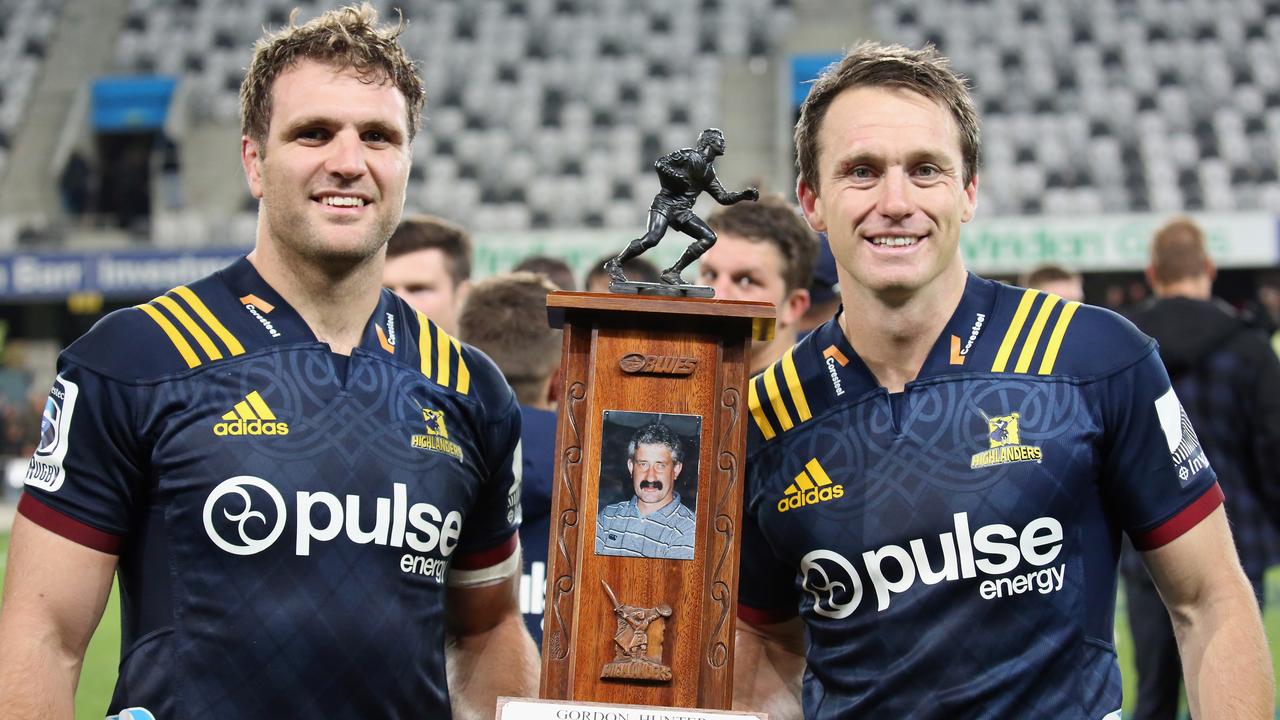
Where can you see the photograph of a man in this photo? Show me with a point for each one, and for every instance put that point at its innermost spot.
(653, 522)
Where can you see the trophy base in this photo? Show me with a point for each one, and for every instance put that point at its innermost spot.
(662, 289)
(637, 669)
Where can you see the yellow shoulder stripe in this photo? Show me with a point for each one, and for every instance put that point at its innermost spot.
(184, 347)
(757, 412)
(775, 398)
(194, 302)
(464, 375)
(1037, 328)
(1055, 339)
(793, 384)
(442, 372)
(200, 335)
(1015, 329)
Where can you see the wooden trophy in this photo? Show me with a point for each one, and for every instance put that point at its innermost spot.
(642, 574)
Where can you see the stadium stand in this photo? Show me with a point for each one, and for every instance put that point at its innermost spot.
(541, 113)
(25, 30)
(1106, 106)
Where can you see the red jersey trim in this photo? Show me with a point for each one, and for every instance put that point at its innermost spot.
(68, 527)
(487, 558)
(756, 616)
(1187, 518)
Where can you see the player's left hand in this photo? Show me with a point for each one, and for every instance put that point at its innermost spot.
(751, 194)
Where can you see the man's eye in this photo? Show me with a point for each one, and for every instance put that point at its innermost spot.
(928, 172)
(746, 281)
(862, 172)
(375, 136)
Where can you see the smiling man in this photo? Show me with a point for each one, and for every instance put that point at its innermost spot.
(653, 523)
(302, 483)
(952, 459)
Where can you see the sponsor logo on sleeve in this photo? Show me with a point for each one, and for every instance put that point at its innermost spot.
(1184, 446)
(1006, 444)
(45, 471)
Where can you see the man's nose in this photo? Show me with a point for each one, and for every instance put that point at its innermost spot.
(346, 156)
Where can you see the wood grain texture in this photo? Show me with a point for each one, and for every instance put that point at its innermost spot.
(702, 592)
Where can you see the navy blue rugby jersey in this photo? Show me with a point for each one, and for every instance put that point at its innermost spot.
(286, 517)
(952, 548)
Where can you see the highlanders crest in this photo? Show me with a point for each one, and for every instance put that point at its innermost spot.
(1006, 443)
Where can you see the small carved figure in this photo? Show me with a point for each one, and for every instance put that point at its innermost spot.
(637, 642)
(684, 175)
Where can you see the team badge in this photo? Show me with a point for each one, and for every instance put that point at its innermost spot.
(436, 437)
(1006, 443)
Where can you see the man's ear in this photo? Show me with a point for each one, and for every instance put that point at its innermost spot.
(675, 470)
(809, 205)
(251, 160)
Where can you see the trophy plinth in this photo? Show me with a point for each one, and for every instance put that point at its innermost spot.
(643, 555)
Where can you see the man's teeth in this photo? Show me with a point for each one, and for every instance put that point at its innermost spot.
(338, 201)
(895, 241)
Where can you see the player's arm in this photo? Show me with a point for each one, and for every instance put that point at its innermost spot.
(1225, 663)
(490, 652)
(54, 594)
(768, 665)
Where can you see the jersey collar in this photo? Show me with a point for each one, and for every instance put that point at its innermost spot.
(950, 352)
(274, 319)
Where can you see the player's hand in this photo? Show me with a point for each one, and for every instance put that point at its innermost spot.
(751, 194)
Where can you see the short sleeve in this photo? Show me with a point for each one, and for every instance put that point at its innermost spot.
(86, 478)
(489, 535)
(1156, 476)
(766, 585)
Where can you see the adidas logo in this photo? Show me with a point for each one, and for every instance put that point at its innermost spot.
(811, 486)
(251, 416)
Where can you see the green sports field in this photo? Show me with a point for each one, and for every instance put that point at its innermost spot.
(100, 661)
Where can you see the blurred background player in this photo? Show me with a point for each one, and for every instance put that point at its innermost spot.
(506, 317)
(429, 265)
(1228, 380)
(824, 289)
(764, 252)
(1066, 284)
(553, 269)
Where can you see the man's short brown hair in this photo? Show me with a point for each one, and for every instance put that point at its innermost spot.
(1178, 251)
(873, 64)
(428, 232)
(343, 38)
(506, 317)
(773, 220)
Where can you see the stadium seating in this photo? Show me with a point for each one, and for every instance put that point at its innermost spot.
(25, 30)
(1107, 106)
(540, 113)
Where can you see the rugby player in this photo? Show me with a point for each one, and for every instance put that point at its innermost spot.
(302, 483)
(937, 486)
